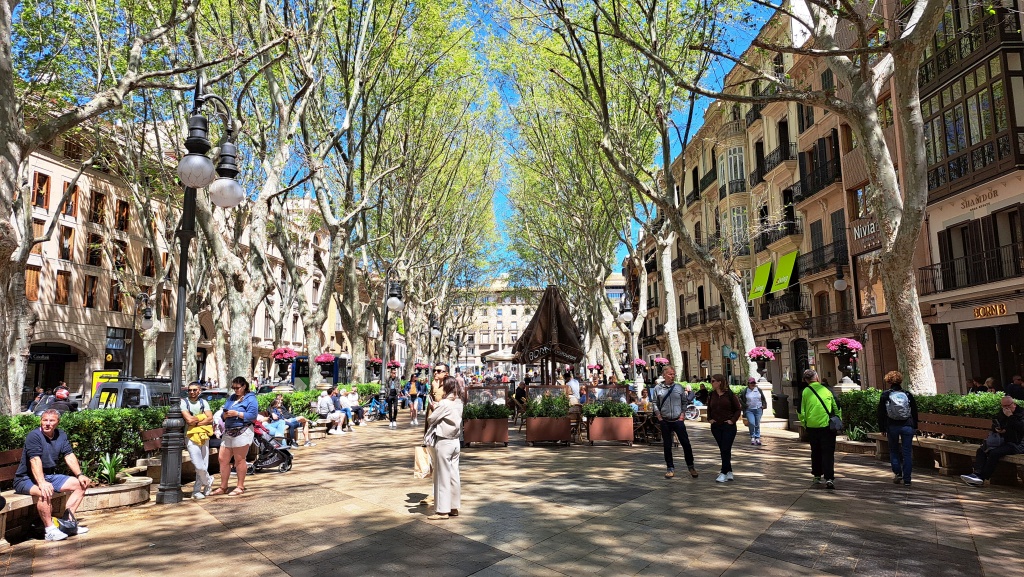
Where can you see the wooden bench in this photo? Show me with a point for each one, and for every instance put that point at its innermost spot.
(20, 510)
(955, 457)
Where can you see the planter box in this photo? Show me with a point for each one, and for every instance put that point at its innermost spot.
(485, 431)
(133, 491)
(610, 429)
(858, 447)
(548, 429)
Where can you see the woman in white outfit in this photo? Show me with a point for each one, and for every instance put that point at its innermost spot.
(444, 425)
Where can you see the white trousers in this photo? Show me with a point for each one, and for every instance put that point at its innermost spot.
(200, 455)
(447, 484)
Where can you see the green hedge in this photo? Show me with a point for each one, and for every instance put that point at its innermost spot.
(485, 411)
(860, 408)
(548, 407)
(607, 409)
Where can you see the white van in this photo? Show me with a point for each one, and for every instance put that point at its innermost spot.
(132, 394)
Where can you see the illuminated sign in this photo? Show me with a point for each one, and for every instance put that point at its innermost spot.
(984, 312)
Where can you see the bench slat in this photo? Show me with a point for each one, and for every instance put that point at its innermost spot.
(970, 433)
(970, 422)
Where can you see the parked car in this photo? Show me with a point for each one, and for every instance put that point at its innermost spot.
(132, 393)
(215, 394)
(265, 389)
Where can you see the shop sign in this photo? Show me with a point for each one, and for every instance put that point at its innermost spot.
(865, 235)
(774, 345)
(979, 200)
(993, 310)
(37, 357)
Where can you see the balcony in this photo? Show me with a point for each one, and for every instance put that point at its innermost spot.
(822, 258)
(652, 303)
(784, 305)
(756, 177)
(1003, 263)
(754, 114)
(834, 324)
(715, 313)
(649, 340)
(723, 191)
(692, 319)
(778, 156)
(737, 186)
(750, 312)
(782, 231)
(680, 261)
(708, 178)
(651, 265)
(692, 197)
(732, 128)
(818, 179)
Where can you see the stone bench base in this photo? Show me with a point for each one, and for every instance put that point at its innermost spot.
(20, 513)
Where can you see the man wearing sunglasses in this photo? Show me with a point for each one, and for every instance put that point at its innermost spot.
(199, 418)
(434, 396)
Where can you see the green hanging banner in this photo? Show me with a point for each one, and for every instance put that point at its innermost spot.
(784, 272)
(761, 276)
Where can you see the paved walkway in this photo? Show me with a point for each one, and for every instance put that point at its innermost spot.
(349, 507)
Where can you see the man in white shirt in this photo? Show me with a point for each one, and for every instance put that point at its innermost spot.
(574, 388)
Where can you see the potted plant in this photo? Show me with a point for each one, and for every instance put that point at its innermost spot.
(485, 423)
(547, 419)
(393, 364)
(846, 351)
(761, 356)
(421, 369)
(660, 362)
(374, 364)
(326, 362)
(609, 421)
(283, 356)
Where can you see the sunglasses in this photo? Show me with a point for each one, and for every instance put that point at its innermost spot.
(236, 388)
(440, 371)
(193, 390)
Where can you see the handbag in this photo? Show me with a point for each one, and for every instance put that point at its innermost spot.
(67, 523)
(835, 423)
(994, 440)
(421, 466)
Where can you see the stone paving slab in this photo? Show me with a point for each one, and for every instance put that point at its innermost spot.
(351, 506)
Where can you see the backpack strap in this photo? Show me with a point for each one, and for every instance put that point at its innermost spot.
(661, 400)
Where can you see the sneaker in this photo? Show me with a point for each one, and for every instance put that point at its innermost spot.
(817, 480)
(82, 530)
(753, 441)
(693, 472)
(830, 484)
(758, 441)
(198, 496)
(728, 476)
(897, 479)
(296, 446)
(335, 432)
(55, 534)
(670, 473)
(208, 487)
(721, 478)
(362, 423)
(309, 444)
(973, 480)
(906, 484)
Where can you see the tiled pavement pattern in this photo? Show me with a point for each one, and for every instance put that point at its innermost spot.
(350, 507)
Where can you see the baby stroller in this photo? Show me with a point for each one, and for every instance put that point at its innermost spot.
(269, 453)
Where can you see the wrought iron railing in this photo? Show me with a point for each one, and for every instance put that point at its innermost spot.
(779, 155)
(1005, 262)
(715, 313)
(822, 257)
(831, 324)
(708, 178)
(776, 234)
(786, 304)
(816, 180)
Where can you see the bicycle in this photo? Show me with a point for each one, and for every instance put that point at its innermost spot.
(692, 412)
(377, 408)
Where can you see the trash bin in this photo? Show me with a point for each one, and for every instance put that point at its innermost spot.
(780, 402)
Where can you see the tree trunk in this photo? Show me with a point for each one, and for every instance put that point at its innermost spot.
(241, 309)
(313, 348)
(732, 290)
(191, 344)
(19, 320)
(675, 353)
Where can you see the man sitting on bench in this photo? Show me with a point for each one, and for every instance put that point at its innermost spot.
(1009, 425)
(37, 476)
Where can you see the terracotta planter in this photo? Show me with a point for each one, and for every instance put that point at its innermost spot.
(133, 491)
(548, 429)
(485, 431)
(610, 429)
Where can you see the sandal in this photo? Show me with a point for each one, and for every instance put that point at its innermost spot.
(237, 492)
(218, 491)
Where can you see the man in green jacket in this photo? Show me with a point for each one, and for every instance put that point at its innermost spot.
(817, 405)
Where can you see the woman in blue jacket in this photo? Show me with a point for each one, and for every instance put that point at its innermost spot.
(239, 414)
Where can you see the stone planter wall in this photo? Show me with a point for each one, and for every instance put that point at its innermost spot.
(486, 431)
(610, 429)
(548, 429)
(133, 491)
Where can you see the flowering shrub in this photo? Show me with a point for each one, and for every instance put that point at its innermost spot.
(375, 362)
(760, 354)
(324, 358)
(845, 345)
(660, 361)
(421, 366)
(639, 363)
(394, 364)
(594, 367)
(284, 354)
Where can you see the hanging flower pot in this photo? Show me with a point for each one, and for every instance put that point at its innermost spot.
(846, 351)
(282, 369)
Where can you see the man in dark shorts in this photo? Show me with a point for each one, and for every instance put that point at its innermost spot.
(37, 476)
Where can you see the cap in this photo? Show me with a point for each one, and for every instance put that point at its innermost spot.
(61, 394)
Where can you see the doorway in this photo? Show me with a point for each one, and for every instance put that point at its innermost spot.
(993, 351)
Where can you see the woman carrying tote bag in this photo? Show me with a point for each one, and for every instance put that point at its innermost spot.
(444, 425)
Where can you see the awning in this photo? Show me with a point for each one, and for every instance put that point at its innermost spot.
(761, 275)
(784, 272)
(498, 356)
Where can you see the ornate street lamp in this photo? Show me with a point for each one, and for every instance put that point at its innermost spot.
(196, 171)
(435, 332)
(141, 300)
(626, 316)
(840, 283)
(393, 303)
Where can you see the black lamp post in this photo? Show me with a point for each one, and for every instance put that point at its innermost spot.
(455, 342)
(394, 303)
(626, 316)
(195, 170)
(147, 323)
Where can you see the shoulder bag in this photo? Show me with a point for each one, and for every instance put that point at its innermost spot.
(835, 424)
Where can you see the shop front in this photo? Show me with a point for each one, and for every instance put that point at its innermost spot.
(988, 337)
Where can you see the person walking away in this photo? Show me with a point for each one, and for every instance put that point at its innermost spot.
(239, 414)
(414, 397)
(1008, 439)
(668, 409)
(817, 405)
(444, 426)
(723, 412)
(897, 416)
(574, 388)
(37, 473)
(392, 387)
(753, 409)
(199, 421)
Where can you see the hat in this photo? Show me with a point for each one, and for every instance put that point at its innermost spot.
(751, 380)
(61, 393)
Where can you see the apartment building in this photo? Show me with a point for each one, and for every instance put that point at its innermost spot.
(82, 282)
(797, 229)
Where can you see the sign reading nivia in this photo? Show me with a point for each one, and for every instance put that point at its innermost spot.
(865, 235)
(993, 310)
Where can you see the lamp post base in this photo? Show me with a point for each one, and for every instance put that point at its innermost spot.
(172, 444)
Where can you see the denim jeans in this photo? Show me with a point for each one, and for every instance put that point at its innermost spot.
(679, 428)
(725, 435)
(754, 422)
(901, 439)
(823, 452)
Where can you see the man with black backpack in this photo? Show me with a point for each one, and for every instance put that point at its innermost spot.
(897, 416)
(668, 408)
